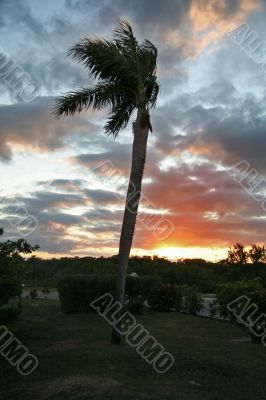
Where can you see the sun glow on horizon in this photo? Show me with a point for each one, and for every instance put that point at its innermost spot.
(207, 253)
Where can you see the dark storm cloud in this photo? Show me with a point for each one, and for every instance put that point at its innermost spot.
(148, 11)
(103, 214)
(155, 12)
(94, 196)
(45, 46)
(228, 135)
(33, 126)
(68, 185)
(62, 219)
(17, 12)
(118, 154)
(167, 14)
(57, 73)
(220, 92)
(65, 183)
(55, 244)
(42, 200)
(85, 194)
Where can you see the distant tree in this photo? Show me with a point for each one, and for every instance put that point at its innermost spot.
(237, 254)
(194, 261)
(257, 254)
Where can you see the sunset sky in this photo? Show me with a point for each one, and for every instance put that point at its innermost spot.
(211, 115)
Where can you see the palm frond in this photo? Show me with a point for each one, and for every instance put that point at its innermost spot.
(118, 118)
(148, 59)
(124, 38)
(103, 59)
(150, 48)
(142, 57)
(152, 91)
(101, 95)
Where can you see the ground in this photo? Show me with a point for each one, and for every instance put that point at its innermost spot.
(76, 360)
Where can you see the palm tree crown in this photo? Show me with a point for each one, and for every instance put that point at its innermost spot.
(126, 78)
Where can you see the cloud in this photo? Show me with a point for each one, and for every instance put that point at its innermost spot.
(118, 155)
(206, 206)
(69, 185)
(42, 200)
(208, 21)
(228, 135)
(32, 126)
(17, 13)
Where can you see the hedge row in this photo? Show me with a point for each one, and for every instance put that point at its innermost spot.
(76, 292)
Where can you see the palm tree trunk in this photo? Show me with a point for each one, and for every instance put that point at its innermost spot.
(141, 131)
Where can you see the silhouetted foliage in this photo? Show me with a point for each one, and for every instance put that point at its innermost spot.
(237, 254)
(257, 254)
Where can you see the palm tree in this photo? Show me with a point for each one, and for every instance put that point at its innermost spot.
(126, 82)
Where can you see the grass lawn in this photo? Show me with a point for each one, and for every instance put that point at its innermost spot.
(76, 360)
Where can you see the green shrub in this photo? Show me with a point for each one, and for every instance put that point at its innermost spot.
(192, 300)
(244, 302)
(9, 312)
(228, 292)
(33, 294)
(76, 292)
(138, 291)
(8, 290)
(166, 298)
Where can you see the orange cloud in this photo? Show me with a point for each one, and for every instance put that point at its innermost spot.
(208, 21)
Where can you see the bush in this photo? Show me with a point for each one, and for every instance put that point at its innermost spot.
(166, 298)
(138, 291)
(8, 290)
(76, 292)
(244, 302)
(192, 300)
(231, 291)
(33, 294)
(9, 312)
